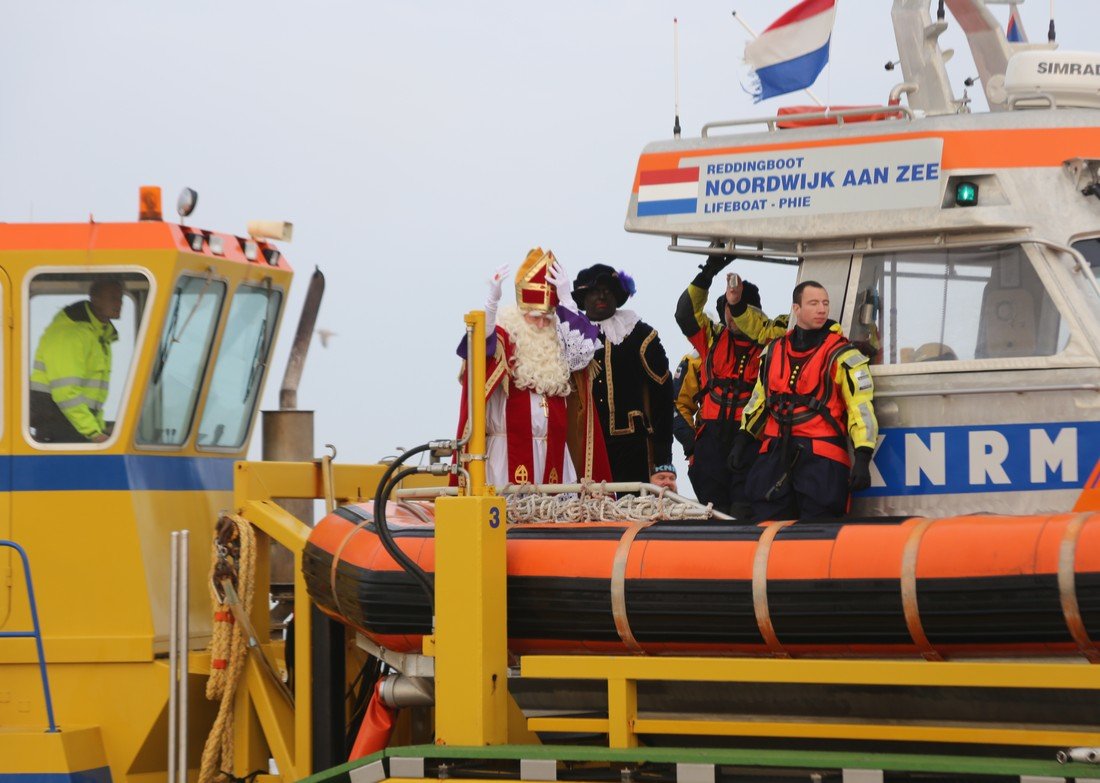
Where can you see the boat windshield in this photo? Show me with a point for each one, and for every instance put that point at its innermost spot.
(239, 371)
(948, 305)
(181, 360)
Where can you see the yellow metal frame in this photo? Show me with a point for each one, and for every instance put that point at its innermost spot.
(470, 641)
(470, 638)
(624, 724)
(266, 725)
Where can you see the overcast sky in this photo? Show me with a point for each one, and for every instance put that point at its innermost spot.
(415, 147)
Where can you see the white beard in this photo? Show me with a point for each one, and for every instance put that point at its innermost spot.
(538, 362)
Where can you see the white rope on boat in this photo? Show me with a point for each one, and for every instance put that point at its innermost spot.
(585, 502)
(591, 502)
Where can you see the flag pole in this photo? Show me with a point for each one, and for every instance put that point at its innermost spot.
(676, 74)
(751, 32)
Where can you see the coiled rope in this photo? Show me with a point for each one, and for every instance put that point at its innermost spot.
(595, 504)
(234, 558)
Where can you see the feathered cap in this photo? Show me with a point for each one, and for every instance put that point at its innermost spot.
(620, 282)
(533, 291)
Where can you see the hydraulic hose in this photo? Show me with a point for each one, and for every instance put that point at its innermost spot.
(385, 487)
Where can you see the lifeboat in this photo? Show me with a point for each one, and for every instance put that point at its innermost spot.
(966, 586)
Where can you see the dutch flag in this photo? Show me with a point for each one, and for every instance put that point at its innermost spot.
(790, 54)
(1015, 31)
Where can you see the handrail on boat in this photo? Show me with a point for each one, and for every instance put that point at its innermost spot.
(1032, 96)
(36, 634)
(773, 121)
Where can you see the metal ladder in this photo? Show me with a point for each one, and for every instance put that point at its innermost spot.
(36, 634)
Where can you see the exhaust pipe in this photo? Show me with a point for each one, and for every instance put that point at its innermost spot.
(400, 691)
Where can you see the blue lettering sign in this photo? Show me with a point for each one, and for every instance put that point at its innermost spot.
(994, 458)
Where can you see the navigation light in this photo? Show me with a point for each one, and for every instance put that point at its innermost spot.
(966, 194)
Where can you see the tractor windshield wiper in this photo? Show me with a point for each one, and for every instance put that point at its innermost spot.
(167, 341)
(259, 356)
(170, 338)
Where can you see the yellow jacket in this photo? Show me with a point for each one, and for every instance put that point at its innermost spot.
(759, 327)
(73, 365)
(686, 385)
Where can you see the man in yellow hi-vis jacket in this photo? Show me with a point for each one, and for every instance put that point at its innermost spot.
(72, 368)
(814, 395)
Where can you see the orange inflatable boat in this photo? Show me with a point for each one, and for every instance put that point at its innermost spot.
(951, 587)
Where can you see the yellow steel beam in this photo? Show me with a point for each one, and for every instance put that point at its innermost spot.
(471, 677)
(867, 731)
(622, 712)
(251, 750)
(585, 725)
(828, 730)
(254, 486)
(280, 525)
(277, 719)
(276, 522)
(519, 733)
(832, 672)
(259, 481)
(475, 447)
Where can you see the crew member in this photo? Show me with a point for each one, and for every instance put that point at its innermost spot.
(813, 396)
(538, 412)
(632, 388)
(730, 364)
(685, 397)
(72, 368)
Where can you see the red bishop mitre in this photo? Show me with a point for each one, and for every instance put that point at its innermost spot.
(533, 292)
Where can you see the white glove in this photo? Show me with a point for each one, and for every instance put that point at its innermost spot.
(496, 284)
(559, 278)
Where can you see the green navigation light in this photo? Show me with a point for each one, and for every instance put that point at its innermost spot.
(966, 194)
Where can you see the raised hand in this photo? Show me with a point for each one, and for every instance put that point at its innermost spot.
(496, 283)
(735, 287)
(559, 278)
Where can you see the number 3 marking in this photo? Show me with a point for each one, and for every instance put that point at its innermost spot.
(494, 517)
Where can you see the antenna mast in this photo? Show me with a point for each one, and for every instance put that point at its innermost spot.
(676, 75)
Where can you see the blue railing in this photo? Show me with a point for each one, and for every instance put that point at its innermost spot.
(36, 634)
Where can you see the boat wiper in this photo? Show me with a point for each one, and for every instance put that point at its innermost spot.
(170, 338)
(259, 356)
(166, 342)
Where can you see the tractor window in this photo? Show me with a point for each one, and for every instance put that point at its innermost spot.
(82, 331)
(945, 305)
(239, 371)
(180, 362)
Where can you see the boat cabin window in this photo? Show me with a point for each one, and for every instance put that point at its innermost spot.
(1090, 249)
(239, 370)
(180, 361)
(82, 331)
(954, 305)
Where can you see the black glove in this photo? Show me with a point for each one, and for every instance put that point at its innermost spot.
(712, 267)
(860, 477)
(741, 453)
